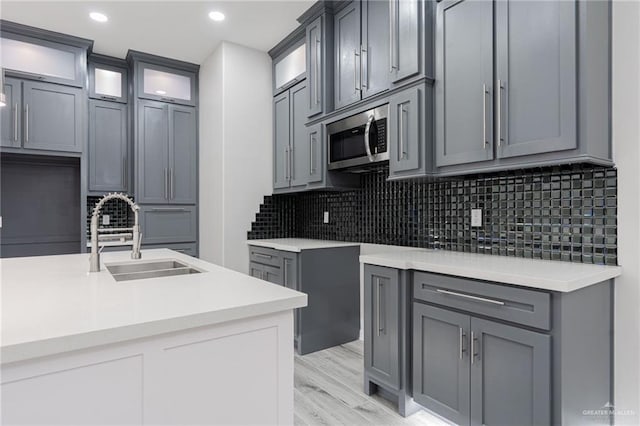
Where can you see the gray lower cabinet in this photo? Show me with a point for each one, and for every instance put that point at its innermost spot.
(163, 224)
(387, 341)
(166, 154)
(291, 141)
(53, 117)
(493, 354)
(329, 277)
(411, 152)
(108, 146)
(10, 114)
(190, 249)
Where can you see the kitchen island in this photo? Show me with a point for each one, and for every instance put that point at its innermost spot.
(83, 348)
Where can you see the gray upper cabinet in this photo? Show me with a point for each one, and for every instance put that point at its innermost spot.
(347, 55)
(281, 129)
(166, 152)
(510, 375)
(108, 146)
(536, 77)
(317, 163)
(382, 346)
(404, 26)
(53, 117)
(405, 130)
(152, 153)
(10, 114)
(463, 86)
(291, 140)
(299, 151)
(375, 64)
(165, 84)
(183, 151)
(108, 82)
(441, 362)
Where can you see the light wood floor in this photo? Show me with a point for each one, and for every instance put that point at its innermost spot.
(329, 391)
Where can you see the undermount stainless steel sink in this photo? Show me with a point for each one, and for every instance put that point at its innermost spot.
(152, 269)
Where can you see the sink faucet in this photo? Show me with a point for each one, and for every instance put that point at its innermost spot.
(94, 259)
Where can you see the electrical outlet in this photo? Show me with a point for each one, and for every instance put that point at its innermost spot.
(326, 217)
(476, 218)
(106, 219)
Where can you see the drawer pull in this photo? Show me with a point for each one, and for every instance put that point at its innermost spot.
(461, 343)
(168, 209)
(264, 256)
(468, 296)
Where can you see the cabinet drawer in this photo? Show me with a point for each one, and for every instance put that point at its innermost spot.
(264, 255)
(528, 307)
(190, 249)
(166, 224)
(265, 272)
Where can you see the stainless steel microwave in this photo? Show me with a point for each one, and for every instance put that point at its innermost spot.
(359, 140)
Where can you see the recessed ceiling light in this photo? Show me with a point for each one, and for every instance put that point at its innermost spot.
(216, 16)
(161, 92)
(99, 17)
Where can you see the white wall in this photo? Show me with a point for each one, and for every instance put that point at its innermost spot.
(626, 142)
(235, 150)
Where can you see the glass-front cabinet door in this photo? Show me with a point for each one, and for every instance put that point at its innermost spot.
(166, 84)
(107, 82)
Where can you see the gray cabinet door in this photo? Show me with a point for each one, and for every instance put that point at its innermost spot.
(441, 362)
(464, 75)
(405, 32)
(152, 153)
(53, 117)
(281, 129)
(405, 120)
(183, 152)
(299, 146)
(315, 67)
(510, 375)
(10, 114)
(536, 77)
(108, 146)
(347, 51)
(256, 270)
(168, 224)
(381, 325)
(375, 47)
(316, 153)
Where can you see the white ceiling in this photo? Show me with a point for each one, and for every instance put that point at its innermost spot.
(175, 29)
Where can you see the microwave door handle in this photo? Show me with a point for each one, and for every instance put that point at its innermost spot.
(367, 132)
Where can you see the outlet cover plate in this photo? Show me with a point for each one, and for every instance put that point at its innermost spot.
(476, 218)
(106, 219)
(325, 218)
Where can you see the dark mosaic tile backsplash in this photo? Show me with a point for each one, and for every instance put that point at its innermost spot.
(562, 213)
(120, 214)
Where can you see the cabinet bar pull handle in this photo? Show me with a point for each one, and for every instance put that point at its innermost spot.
(364, 65)
(391, 36)
(264, 256)
(166, 184)
(484, 116)
(499, 112)
(402, 150)
(168, 209)
(461, 342)
(15, 122)
(379, 288)
(286, 164)
(356, 68)
(317, 79)
(26, 123)
(286, 278)
(468, 296)
(172, 182)
(311, 154)
(473, 347)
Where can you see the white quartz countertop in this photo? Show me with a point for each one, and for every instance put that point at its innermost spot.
(52, 304)
(296, 245)
(541, 274)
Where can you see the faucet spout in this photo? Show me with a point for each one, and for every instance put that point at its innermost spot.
(94, 258)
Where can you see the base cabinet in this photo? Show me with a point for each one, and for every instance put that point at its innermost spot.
(478, 372)
(330, 279)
